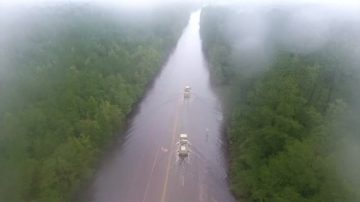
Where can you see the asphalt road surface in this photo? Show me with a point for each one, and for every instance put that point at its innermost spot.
(146, 166)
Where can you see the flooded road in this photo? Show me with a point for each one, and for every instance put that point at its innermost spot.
(146, 166)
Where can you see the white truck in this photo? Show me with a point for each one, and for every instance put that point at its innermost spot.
(187, 92)
(183, 145)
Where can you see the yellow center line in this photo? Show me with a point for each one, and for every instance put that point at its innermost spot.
(163, 195)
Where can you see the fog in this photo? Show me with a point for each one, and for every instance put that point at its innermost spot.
(260, 29)
(129, 4)
(40, 43)
(304, 27)
(16, 18)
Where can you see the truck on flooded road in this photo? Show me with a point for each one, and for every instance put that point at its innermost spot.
(187, 92)
(183, 143)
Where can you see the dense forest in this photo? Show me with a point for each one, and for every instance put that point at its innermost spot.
(70, 74)
(292, 122)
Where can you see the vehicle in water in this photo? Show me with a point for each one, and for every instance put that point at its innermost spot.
(183, 145)
(187, 92)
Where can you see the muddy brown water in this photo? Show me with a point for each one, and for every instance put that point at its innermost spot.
(145, 167)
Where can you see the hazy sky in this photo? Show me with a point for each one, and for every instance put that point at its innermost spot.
(127, 3)
(150, 3)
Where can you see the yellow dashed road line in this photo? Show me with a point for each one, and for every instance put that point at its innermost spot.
(163, 195)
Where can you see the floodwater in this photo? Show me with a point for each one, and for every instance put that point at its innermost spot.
(146, 166)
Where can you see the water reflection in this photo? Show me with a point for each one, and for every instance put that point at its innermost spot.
(146, 167)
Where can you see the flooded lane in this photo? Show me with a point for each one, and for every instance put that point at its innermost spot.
(146, 167)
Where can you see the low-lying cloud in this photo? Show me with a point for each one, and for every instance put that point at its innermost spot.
(257, 29)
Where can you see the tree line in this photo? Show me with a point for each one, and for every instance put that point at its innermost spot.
(70, 75)
(290, 124)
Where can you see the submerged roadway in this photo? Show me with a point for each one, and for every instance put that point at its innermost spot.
(145, 166)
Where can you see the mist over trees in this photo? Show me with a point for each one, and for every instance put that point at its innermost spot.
(292, 102)
(69, 76)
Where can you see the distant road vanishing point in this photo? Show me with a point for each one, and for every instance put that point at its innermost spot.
(145, 167)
